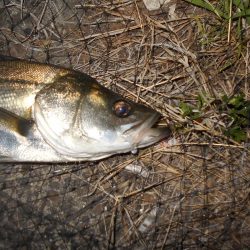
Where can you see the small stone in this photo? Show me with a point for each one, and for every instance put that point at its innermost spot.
(155, 4)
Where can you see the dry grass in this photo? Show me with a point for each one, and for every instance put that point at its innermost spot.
(191, 194)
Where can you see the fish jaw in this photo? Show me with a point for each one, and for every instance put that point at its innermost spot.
(144, 134)
(153, 135)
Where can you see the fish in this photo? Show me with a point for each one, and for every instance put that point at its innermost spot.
(55, 114)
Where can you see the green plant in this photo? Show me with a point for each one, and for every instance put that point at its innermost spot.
(189, 111)
(193, 112)
(226, 9)
(238, 109)
(229, 10)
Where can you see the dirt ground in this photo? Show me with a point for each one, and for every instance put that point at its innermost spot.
(191, 192)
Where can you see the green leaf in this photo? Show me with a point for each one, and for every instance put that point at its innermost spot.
(208, 6)
(236, 133)
(225, 99)
(243, 112)
(195, 115)
(201, 101)
(243, 13)
(241, 4)
(237, 101)
(186, 109)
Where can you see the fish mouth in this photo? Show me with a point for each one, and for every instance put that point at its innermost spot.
(147, 132)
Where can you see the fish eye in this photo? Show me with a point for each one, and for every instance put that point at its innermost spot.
(121, 108)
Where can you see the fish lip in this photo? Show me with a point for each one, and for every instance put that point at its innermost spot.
(149, 122)
(146, 134)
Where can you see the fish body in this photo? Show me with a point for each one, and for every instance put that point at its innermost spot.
(54, 114)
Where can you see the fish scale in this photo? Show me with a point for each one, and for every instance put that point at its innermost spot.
(17, 97)
(20, 81)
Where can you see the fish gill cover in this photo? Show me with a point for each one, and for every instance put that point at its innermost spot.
(192, 65)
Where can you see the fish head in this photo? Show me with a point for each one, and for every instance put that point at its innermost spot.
(118, 123)
(88, 121)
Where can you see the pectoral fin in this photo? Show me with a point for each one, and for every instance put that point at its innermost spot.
(21, 141)
(12, 123)
(14, 131)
